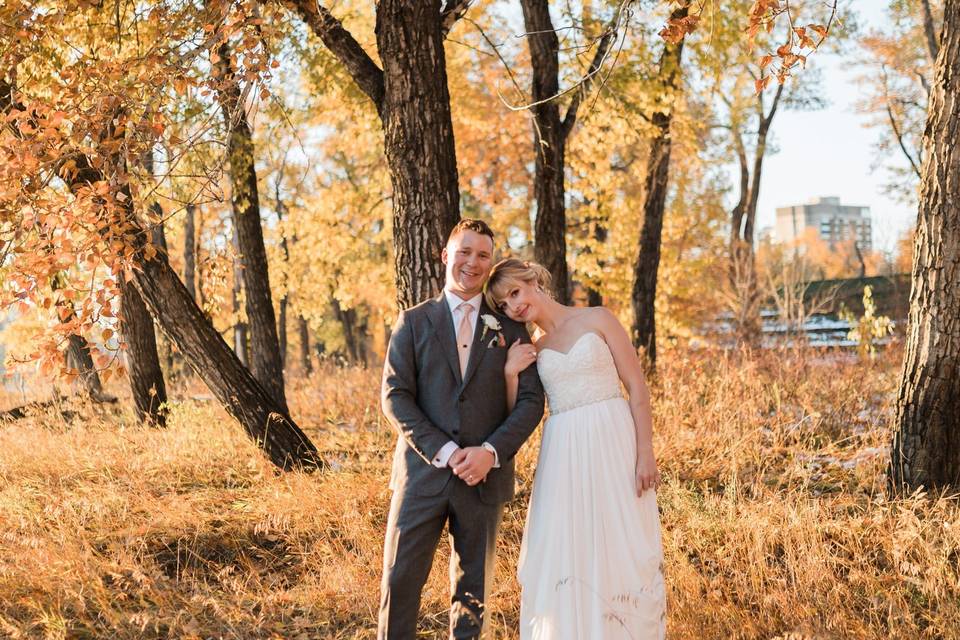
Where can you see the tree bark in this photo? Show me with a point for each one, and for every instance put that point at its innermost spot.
(190, 251)
(419, 144)
(930, 31)
(285, 300)
(241, 345)
(647, 265)
(146, 377)
(550, 226)
(266, 363)
(147, 385)
(305, 361)
(78, 349)
(411, 96)
(159, 238)
(551, 131)
(926, 445)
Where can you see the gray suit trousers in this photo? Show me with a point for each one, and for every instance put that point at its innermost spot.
(414, 527)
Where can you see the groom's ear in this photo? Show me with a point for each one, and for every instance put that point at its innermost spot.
(443, 256)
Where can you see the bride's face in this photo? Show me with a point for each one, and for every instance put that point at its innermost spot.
(522, 302)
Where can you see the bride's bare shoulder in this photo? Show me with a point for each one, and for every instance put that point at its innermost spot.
(602, 320)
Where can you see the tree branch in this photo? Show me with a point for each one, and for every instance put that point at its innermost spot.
(452, 11)
(570, 119)
(933, 46)
(767, 119)
(893, 124)
(364, 71)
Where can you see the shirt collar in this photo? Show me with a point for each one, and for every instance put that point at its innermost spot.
(454, 301)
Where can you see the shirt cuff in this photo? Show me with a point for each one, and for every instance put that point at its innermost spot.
(496, 458)
(443, 456)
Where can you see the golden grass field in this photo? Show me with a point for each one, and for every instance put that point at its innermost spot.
(776, 519)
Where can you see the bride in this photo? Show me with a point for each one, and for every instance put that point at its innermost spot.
(591, 558)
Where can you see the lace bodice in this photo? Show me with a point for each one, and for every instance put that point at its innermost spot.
(583, 375)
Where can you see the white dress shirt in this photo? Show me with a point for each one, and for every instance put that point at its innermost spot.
(454, 301)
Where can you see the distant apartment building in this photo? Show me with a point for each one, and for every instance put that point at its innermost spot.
(833, 222)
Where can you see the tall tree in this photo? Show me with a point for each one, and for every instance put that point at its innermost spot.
(411, 96)
(183, 321)
(647, 263)
(743, 267)
(86, 135)
(266, 362)
(77, 353)
(550, 134)
(926, 445)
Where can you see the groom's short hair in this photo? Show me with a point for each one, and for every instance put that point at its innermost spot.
(475, 225)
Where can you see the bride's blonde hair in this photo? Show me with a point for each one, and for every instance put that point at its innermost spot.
(508, 273)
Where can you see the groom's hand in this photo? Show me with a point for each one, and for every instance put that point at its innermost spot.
(473, 466)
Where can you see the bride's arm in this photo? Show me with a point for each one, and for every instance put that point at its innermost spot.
(519, 357)
(631, 374)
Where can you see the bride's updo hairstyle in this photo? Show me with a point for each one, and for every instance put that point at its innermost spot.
(508, 273)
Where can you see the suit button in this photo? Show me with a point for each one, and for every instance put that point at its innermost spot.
(462, 399)
(456, 432)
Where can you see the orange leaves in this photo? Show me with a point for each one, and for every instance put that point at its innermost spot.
(800, 41)
(678, 28)
(762, 83)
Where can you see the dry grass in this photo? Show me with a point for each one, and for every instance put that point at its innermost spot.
(775, 518)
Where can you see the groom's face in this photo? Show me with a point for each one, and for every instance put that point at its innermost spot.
(468, 257)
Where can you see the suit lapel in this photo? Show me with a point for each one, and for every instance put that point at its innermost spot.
(479, 347)
(442, 321)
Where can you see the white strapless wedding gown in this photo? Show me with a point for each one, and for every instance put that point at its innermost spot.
(591, 560)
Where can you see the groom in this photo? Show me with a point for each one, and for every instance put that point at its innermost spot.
(445, 393)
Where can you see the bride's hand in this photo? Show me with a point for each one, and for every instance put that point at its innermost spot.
(520, 356)
(647, 475)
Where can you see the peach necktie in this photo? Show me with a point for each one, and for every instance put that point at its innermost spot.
(464, 335)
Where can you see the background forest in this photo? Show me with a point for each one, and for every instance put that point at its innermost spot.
(211, 212)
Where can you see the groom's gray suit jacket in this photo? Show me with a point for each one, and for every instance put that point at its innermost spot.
(425, 399)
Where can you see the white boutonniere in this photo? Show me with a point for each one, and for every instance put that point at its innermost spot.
(490, 323)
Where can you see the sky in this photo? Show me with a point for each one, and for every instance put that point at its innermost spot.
(835, 153)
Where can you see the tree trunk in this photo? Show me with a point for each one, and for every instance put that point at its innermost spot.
(926, 445)
(159, 236)
(183, 321)
(930, 31)
(550, 225)
(146, 377)
(594, 297)
(647, 265)
(185, 324)
(743, 268)
(351, 331)
(78, 357)
(240, 343)
(78, 349)
(190, 251)
(305, 361)
(285, 300)
(419, 144)
(266, 363)
(262, 417)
